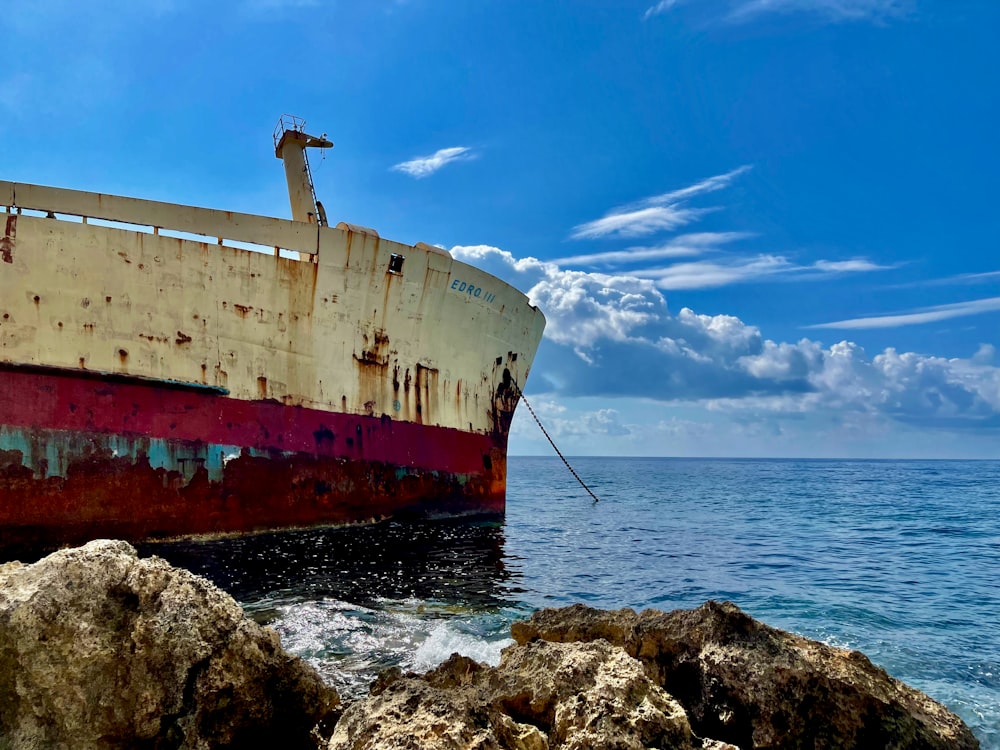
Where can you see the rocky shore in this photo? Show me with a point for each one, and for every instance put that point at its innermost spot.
(102, 649)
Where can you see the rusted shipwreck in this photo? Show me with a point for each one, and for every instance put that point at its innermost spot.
(167, 370)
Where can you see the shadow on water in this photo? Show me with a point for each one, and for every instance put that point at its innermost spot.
(453, 562)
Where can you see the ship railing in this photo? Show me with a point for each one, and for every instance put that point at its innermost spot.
(288, 239)
(286, 123)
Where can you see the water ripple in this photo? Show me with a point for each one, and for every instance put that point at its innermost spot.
(898, 559)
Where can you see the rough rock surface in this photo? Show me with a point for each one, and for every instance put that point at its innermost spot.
(542, 695)
(710, 678)
(751, 685)
(99, 649)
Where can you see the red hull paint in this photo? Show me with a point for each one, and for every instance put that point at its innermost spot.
(84, 457)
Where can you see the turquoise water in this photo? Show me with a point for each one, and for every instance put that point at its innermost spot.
(899, 559)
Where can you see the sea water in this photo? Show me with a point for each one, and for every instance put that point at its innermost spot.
(898, 559)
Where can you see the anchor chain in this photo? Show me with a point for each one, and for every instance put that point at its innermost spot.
(552, 442)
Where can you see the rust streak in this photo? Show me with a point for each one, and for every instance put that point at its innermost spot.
(376, 354)
(7, 243)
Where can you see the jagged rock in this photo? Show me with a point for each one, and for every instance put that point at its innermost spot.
(542, 695)
(99, 649)
(572, 682)
(751, 685)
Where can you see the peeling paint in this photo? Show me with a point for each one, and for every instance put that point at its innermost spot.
(87, 457)
(222, 389)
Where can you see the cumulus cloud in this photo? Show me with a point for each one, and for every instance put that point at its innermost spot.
(934, 390)
(984, 354)
(567, 427)
(424, 166)
(613, 335)
(580, 308)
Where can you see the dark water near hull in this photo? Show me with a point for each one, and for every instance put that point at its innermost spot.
(899, 559)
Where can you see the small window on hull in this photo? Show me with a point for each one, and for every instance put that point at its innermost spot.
(396, 263)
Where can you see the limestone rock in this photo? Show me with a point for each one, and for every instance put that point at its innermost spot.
(542, 695)
(99, 649)
(751, 685)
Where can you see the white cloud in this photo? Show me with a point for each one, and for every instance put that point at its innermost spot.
(583, 309)
(985, 354)
(423, 166)
(918, 388)
(832, 10)
(657, 213)
(712, 274)
(570, 429)
(783, 361)
(918, 316)
(907, 387)
(638, 222)
(685, 245)
(612, 335)
(965, 278)
(580, 308)
(709, 185)
(522, 271)
(668, 211)
(726, 330)
(661, 7)
(835, 10)
(848, 266)
(603, 422)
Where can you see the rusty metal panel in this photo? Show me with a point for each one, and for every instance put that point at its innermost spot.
(81, 457)
(156, 385)
(6, 193)
(91, 297)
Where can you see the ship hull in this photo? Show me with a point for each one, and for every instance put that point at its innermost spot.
(156, 386)
(86, 457)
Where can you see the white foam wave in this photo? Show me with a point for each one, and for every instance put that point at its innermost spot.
(444, 639)
(350, 645)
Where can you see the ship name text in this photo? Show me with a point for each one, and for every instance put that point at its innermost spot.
(471, 289)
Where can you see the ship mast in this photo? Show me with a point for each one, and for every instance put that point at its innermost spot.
(290, 144)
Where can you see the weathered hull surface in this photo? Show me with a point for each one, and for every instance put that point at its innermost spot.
(82, 458)
(154, 386)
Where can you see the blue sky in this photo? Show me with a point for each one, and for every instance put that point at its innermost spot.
(756, 227)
